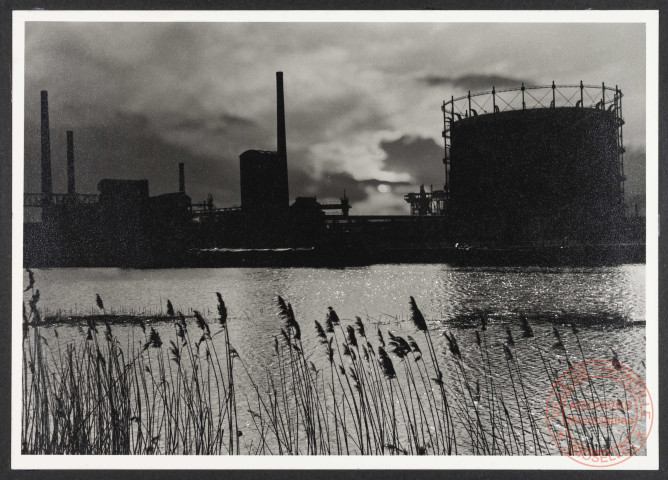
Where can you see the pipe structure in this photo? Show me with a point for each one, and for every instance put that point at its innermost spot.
(47, 187)
(182, 178)
(70, 163)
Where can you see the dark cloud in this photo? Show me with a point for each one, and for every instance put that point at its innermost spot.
(143, 97)
(130, 149)
(331, 186)
(221, 124)
(474, 81)
(422, 158)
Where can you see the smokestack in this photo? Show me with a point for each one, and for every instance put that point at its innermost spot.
(182, 178)
(284, 194)
(70, 163)
(280, 114)
(47, 189)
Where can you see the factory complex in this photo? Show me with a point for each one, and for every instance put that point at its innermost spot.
(532, 174)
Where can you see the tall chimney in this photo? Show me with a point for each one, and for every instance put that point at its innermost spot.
(182, 178)
(280, 114)
(70, 163)
(47, 189)
(282, 150)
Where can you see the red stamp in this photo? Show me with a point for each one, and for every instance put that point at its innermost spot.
(600, 413)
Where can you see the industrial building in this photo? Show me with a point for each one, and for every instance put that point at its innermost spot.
(120, 226)
(524, 179)
(537, 173)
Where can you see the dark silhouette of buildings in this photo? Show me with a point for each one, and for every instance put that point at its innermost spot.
(530, 175)
(521, 184)
(520, 171)
(264, 183)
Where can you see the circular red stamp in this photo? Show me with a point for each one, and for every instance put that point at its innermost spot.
(600, 413)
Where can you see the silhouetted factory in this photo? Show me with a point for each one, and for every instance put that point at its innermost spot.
(526, 181)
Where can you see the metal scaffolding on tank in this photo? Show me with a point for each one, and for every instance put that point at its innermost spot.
(530, 98)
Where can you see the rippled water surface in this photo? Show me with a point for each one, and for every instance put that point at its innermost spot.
(608, 304)
(442, 292)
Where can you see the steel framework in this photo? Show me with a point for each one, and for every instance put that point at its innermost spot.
(426, 203)
(40, 200)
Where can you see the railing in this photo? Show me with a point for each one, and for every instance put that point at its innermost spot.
(39, 200)
(532, 97)
(206, 210)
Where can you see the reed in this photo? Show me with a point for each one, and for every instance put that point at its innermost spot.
(179, 395)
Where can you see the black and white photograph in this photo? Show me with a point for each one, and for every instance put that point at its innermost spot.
(254, 235)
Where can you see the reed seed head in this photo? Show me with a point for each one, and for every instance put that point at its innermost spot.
(222, 310)
(154, 339)
(527, 331)
(98, 300)
(329, 325)
(413, 344)
(321, 333)
(332, 316)
(201, 323)
(282, 306)
(176, 354)
(351, 335)
(170, 308)
(400, 347)
(417, 317)
(453, 345)
(558, 345)
(380, 338)
(360, 327)
(386, 364)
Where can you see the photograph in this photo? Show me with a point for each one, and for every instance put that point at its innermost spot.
(415, 235)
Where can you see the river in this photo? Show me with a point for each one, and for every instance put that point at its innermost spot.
(607, 303)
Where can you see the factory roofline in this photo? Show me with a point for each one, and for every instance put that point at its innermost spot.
(261, 152)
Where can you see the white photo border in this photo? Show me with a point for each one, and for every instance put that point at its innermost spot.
(650, 18)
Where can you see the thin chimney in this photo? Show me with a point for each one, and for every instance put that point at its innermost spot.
(282, 150)
(70, 163)
(280, 114)
(47, 188)
(182, 178)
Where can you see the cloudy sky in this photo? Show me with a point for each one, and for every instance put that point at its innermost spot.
(362, 99)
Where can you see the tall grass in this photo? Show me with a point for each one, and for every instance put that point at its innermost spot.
(375, 392)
